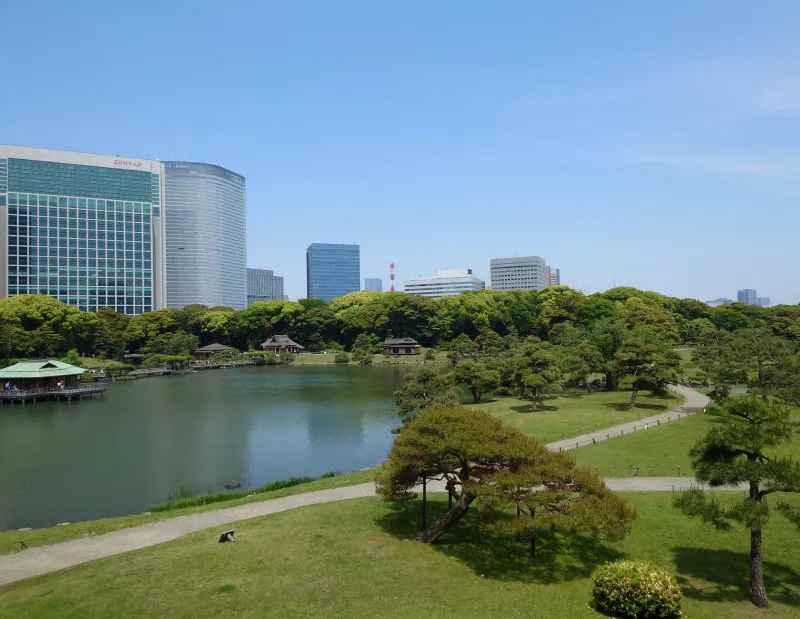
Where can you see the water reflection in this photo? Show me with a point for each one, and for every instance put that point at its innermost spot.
(118, 455)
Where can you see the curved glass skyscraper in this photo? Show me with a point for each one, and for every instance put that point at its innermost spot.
(206, 238)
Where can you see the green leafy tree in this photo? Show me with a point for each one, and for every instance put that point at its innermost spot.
(759, 355)
(463, 347)
(580, 361)
(478, 378)
(73, 358)
(181, 343)
(316, 343)
(481, 459)
(535, 369)
(709, 350)
(740, 451)
(646, 365)
(489, 342)
(368, 342)
(362, 356)
(341, 357)
(608, 336)
(636, 314)
(424, 388)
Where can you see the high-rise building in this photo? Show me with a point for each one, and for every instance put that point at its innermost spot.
(748, 296)
(553, 276)
(718, 302)
(332, 270)
(763, 301)
(206, 238)
(444, 283)
(86, 229)
(524, 273)
(263, 285)
(373, 283)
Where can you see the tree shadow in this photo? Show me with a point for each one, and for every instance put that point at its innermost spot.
(559, 558)
(528, 408)
(661, 408)
(726, 575)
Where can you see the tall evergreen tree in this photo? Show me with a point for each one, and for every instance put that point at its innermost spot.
(740, 451)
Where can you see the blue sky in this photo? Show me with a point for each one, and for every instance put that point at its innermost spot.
(648, 144)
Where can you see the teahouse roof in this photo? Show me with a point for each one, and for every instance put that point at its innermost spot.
(41, 368)
(400, 341)
(213, 348)
(280, 341)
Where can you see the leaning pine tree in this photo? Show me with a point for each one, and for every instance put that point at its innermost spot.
(502, 469)
(737, 452)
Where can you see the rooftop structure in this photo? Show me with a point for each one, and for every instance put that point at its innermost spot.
(444, 283)
(44, 379)
(281, 344)
(401, 346)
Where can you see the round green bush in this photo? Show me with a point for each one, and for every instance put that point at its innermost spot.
(635, 589)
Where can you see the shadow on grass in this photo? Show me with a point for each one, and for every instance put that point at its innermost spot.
(659, 408)
(560, 557)
(727, 576)
(528, 408)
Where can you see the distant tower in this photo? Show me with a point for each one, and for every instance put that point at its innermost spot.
(391, 277)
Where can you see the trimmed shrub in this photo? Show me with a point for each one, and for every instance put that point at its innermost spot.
(635, 589)
(341, 357)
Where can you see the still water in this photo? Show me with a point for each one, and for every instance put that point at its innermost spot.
(146, 438)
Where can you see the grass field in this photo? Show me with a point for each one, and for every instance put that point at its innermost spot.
(10, 540)
(688, 367)
(575, 412)
(662, 451)
(355, 559)
(328, 358)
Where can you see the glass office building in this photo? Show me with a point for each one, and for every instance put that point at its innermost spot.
(85, 229)
(206, 236)
(263, 285)
(332, 270)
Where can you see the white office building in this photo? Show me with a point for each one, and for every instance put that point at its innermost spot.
(523, 273)
(444, 283)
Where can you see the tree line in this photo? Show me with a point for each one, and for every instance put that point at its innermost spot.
(33, 325)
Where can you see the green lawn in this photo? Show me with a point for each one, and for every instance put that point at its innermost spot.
(688, 367)
(10, 540)
(661, 451)
(575, 412)
(328, 358)
(355, 559)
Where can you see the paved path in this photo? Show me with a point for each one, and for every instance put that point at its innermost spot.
(694, 402)
(44, 559)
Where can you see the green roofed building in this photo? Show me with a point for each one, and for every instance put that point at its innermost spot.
(40, 375)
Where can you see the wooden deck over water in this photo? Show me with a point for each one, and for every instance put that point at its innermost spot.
(69, 393)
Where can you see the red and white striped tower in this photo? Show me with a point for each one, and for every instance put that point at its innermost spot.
(391, 276)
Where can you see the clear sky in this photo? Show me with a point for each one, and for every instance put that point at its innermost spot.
(648, 144)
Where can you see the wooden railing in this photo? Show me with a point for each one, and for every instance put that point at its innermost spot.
(54, 391)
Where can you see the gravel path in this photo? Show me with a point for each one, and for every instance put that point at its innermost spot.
(694, 402)
(44, 559)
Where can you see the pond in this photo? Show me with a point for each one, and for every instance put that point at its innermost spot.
(117, 455)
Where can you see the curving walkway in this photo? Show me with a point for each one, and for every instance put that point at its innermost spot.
(694, 402)
(44, 559)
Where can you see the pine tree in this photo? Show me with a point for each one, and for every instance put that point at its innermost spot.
(738, 451)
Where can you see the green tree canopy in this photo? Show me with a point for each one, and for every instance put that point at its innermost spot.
(500, 467)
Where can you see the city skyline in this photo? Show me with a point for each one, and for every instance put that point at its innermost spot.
(355, 146)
